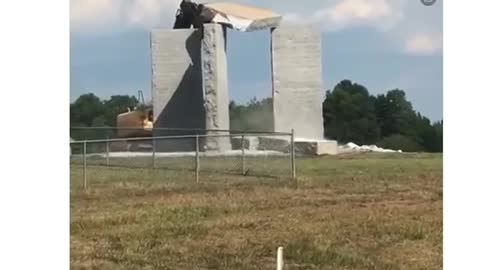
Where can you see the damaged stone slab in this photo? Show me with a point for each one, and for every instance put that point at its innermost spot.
(249, 143)
(242, 17)
(239, 17)
(274, 144)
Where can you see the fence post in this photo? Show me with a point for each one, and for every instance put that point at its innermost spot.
(197, 159)
(107, 150)
(292, 155)
(243, 154)
(85, 165)
(154, 149)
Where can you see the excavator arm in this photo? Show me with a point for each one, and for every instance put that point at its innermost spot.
(192, 14)
(187, 15)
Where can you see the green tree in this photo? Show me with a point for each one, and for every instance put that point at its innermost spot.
(399, 122)
(86, 108)
(256, 115)
(432, 137)
(238, 119)
(395, 114)
(400, 142)
(349, 114)
(89, 111)
(438, 139)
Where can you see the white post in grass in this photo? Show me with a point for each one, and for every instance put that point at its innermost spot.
(85, 184)
(154, 149)
(243, 155)
(280, 258)
(292, 156)
(107, 152)
(197, 159)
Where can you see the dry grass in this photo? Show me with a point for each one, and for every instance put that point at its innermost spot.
(352, 212)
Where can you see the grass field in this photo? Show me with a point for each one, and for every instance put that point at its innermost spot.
(363, 211)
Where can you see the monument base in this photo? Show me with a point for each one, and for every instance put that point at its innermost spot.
(302, 146)
(249, 143)
(318, 148)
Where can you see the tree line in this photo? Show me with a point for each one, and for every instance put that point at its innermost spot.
(388, 120)
(89, 110)
(350, 114)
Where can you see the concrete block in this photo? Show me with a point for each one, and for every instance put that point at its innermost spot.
(318, 148)
(215, 86)
(250, 143)
(297, 85)
(274, 144)
(237, 143)
(327, 148)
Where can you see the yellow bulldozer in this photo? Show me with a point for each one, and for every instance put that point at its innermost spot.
(137, 121)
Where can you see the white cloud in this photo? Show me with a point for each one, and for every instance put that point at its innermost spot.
(424, 43)
(88, 14)
(400, 20)
(380, 14)
(150, 12)
(98, 15)
(356, 12)
(418, 29)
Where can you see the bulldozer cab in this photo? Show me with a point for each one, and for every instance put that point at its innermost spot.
(136, 122)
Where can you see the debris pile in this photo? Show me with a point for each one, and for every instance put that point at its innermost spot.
(352, 147)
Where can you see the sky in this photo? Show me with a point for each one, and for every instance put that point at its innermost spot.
(381, 44)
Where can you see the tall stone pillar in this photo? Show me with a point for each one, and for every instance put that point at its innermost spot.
(177, 92)
(297, 81)
(215, 86)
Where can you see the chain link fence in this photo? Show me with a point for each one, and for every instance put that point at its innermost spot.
(79, 133)
(216, 156)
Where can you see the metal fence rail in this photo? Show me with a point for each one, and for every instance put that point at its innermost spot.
(195, 158)
(106, 132)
